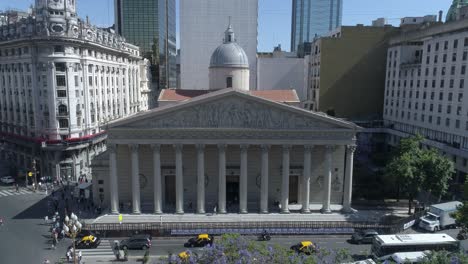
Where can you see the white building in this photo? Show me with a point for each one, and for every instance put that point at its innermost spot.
(281, 70)
(202, 23)
(231, 149)
(426, 89)
(62, 80)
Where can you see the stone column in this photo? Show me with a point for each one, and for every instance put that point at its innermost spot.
(222, 178)
(113, 180)
(243, 179)
(348, 185)
(264, 181)
(285, 181)
(327, 180)
(200, 179)
(157, 178)
(179, 180)
(135, 179)
(306, 179)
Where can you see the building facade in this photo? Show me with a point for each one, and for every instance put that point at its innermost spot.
(62, 80)
(202, 23)
(312, 18)
(151, 25)
(349, 67)
(279, 70)
(426, 91)
(230, 150)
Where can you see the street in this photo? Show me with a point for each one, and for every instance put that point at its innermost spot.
(23, 215)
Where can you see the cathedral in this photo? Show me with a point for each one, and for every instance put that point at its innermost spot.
(227, 149)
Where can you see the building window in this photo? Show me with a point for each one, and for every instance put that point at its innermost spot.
(229, 82)
(447, 122)
(63, 123)
(455, 44)
(457, 123)
(76, 81)
(60, 66)
(454, 56)
(90, 80)
(61, 93)
(62, 109)
(60, 80)
(462, 83)
(465, 55)
(59, 48)
(445, 45)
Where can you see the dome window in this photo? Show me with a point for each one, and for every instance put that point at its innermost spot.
(229, 82)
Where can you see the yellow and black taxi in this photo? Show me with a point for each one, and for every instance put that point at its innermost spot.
(184, 256)
(201, 240)
(88, 242)
(304, 247)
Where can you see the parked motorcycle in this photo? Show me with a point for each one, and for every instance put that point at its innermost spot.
(462, 235)
(264, 237)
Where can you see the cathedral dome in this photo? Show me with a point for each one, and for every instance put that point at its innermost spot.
(452, 14)
(229, 54)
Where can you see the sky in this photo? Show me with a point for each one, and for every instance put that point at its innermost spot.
(274, 23)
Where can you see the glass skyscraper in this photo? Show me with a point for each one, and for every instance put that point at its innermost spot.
(143, 23)
(312, 18)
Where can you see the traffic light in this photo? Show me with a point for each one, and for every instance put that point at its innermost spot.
(30, 174)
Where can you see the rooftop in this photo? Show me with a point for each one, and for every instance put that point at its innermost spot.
(180, 95)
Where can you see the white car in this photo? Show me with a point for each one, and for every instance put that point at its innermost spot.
(7, 180)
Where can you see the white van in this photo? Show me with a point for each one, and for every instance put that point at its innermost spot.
(406, 257)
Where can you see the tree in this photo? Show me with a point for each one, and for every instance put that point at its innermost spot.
(416, 169)
(461, 215)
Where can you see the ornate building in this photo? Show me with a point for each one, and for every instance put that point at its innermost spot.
(228, 149)
(61, 81)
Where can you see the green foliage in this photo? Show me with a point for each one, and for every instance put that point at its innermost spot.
(461, 215)
(443, 257)
(415, 169)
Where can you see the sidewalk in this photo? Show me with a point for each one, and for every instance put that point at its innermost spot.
(131, 260)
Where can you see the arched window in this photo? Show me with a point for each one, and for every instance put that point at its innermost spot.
(229, 82)
(62, 109)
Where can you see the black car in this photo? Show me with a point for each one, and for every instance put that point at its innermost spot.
(201, 240)
(364, 237)
(136, 242)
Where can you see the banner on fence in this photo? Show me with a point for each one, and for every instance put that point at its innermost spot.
(409, 224)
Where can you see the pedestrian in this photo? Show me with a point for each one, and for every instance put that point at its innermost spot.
(46, 261)
(54, 243)
(17, 187)
(62, 233)
(1, 221)
(79, 256)
(214, 209)
(68, 256)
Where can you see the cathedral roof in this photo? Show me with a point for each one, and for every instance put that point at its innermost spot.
(453, 11)
(229, 54)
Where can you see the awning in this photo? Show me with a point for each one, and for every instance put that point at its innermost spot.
(84, 185)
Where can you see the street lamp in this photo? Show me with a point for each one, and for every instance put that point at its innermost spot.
(72, 228)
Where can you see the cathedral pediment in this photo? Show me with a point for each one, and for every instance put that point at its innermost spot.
(230, 109)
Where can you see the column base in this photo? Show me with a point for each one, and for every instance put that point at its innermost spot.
(222, 212)
(305, 212)
(348, 210)
(136, 212)
(180, 212)
(201, 212)
(114, 212)
(285, 212)
(243, 212)
(263, 212)
(325, 211)
(158, 213)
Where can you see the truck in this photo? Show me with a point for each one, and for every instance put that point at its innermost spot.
(438, 217)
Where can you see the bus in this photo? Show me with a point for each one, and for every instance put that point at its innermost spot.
(384, 245)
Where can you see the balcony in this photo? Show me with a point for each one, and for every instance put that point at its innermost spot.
(62, 114)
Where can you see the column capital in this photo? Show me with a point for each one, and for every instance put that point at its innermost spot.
(309, 147)
(178, 146)
(287, 147)
(156, 147)
(351, 148)
(111, 148)
(330, 147)
(265, 147)
(200, 146)
(244, 146)
(222, 147)
(133, 147)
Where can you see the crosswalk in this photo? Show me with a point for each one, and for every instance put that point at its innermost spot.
(4, 193)
(104, 250)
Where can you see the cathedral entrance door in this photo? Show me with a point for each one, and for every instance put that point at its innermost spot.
(232, 193)
(293, 189)
(170, 192)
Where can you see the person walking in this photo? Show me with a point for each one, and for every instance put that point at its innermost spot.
(79, 256)
(17, 187)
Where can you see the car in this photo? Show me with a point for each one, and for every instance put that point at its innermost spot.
(201, 240)
(304, 247)
(136, 242)
(88, 242)
(84, 233)
(364, 237)
(7, 180)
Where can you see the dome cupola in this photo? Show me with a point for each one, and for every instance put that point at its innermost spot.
(229, 65)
